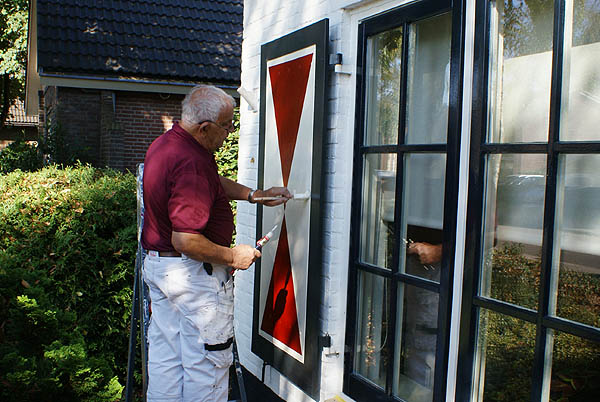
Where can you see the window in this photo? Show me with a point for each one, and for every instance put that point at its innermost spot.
(531, 307)
(402, 252)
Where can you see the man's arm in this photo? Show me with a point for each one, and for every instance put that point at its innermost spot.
(199, 248)
(237, 191)
(427, 253)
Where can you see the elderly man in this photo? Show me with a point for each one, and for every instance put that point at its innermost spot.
(188, 227)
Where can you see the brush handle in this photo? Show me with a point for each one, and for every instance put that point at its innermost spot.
(266, 198)
(301, 196)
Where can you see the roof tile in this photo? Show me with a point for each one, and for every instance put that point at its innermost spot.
(182, 40)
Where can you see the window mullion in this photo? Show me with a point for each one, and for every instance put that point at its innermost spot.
(398, 207)
(544, 336)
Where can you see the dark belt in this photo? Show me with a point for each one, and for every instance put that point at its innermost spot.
(219, 346)
(166, 253)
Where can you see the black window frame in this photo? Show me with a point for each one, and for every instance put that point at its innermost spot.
(354, 384)
(472, 302)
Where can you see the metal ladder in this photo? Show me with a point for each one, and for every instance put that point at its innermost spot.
(140, 306)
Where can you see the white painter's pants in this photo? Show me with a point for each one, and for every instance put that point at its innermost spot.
(189, 309)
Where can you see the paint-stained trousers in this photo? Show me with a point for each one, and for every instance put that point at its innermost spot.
(190, 309)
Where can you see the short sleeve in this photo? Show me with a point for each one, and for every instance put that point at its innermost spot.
(190, 203)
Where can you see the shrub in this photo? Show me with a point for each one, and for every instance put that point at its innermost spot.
(20, 155)
(227, 159)
(67, 250)
(61, 148)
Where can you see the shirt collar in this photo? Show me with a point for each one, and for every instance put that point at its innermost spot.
(179, 131)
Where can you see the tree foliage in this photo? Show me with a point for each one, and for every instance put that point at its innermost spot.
(20, 155)
(13, 52)
(67, 249)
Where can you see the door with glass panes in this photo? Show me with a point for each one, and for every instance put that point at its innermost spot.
(403, 220)
(530, 327)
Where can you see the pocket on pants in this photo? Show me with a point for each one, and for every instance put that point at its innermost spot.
(225, 298)
(215, 327)
(221, 358)
(222, 326)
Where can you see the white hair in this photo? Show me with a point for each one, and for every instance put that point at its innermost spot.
(205, 102)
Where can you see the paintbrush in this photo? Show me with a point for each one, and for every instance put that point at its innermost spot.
(301, 196)
(265, 239)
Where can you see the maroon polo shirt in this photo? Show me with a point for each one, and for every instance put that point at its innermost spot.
(183, 192)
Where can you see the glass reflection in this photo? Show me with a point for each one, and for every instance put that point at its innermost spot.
(578, 229)
(384, 60)
(377, 220)
(428, 80)
(504, 359)
(575, 375)
(520, 52)
(372, 345)
(513, 221)
(416, 340)
(423, 212)
(582, 78)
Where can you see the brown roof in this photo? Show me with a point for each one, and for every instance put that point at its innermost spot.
(17, 116)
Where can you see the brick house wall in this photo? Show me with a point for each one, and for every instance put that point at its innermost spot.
(113, 128)
(142, 117)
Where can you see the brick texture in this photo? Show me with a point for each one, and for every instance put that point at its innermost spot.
(113, 128)
(140, 119)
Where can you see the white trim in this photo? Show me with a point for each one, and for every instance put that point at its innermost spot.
(463, 185)
(123, 84)
(32, 79)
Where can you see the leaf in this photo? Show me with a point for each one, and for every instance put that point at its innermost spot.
(25, 284)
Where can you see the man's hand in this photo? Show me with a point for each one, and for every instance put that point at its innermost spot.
(244, 256)
(199, 248)
(427, 253)
(282, 193)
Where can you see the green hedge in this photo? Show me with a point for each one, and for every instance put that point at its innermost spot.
(20, 155)
(510, 343)
(67, 250)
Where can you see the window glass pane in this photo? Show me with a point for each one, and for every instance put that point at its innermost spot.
(428, 80)
(575, 374)
(372, 340)
(423, 213)
(583, 75)
(513, 222)
(384, 56)
(504, 359)
(578, 236)
(520, 62)
(416, 340)
(377, 220)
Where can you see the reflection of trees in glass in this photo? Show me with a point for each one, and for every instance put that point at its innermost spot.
(373, 344)
(389, 55)
(510, 342)
(516, 278)
(526, 26)
(575, 373)
(508, 358)
(579, 296)
(586, 22)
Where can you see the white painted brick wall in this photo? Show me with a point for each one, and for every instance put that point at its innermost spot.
(265, 21)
